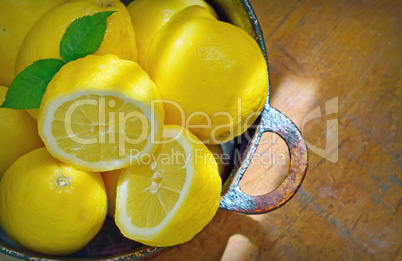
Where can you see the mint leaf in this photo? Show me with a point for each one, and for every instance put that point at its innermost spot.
(27, 89)
(83, 36)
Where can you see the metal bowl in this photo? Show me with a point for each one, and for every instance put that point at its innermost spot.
(111, 244)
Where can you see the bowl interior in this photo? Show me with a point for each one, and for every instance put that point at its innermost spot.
(110, 243)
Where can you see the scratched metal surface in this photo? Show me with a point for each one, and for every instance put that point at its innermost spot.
(346, 209)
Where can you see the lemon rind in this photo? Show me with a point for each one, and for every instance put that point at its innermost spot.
(147, 234)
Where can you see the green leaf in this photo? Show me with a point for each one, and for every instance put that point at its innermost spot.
(83, 36)
(27, 89)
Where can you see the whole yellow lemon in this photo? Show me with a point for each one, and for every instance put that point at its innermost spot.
(43, 39)
(16, 17)
(211, 75)
(148, 16)
(50, 207)
(18, 134)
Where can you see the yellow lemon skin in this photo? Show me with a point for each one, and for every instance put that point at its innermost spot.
(212, 75)
(43, 39)
(168, 200)
(150, 16)
(33, 113)
(50, 207)
(221, 158)
(16, 17)
(110, 179)
(18, 134)
(103, 76)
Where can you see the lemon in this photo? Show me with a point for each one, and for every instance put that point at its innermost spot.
(50, 207)
(43, 39)
(110, 179)
(212, 75)
(221, 158)
(16, 17)
(172, 196)
(148, 16)
(33, 113)
(18, 134)
(98, 113)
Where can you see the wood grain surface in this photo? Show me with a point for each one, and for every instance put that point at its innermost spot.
(346, 54)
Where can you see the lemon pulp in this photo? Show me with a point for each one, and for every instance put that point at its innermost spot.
(81, 127)
(160, 184)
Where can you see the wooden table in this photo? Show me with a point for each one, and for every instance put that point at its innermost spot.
(347, 53)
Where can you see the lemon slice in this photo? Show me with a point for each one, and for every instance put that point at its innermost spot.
(98, 113)
(171, 197)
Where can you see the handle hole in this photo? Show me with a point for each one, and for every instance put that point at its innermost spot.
(269, 166)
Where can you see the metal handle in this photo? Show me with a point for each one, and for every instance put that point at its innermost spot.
(235, 200)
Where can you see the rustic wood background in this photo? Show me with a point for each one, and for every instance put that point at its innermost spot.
(347, 52)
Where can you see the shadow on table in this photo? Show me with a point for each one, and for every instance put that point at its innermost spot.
(229, 236)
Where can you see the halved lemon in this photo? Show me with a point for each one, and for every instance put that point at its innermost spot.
(100, 113)
(168, 198)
